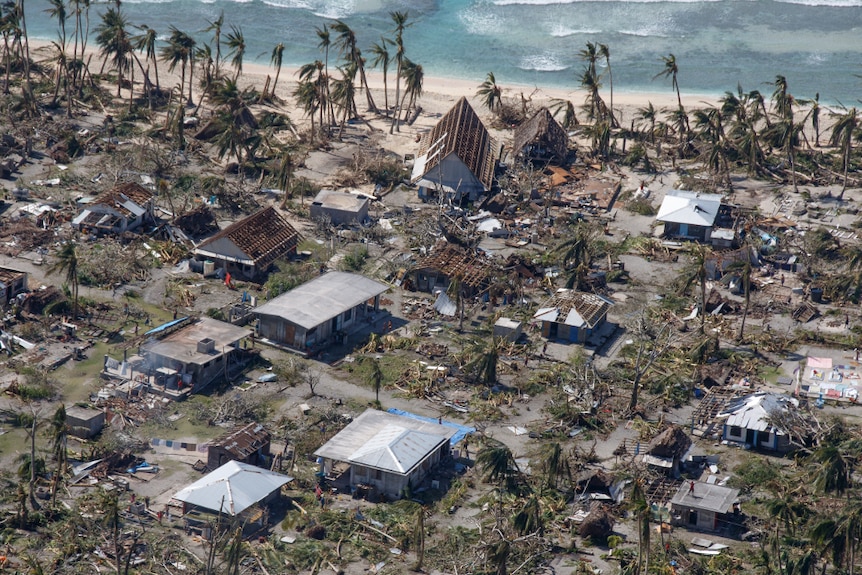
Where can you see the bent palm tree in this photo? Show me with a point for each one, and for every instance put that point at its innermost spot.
(490, 93)
(276, 59)
(236, 43)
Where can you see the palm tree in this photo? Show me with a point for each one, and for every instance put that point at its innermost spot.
(58, 10)
(846, 128)
(276, 59)
(382, 59)
(419, 539)
(146, 43)
(413, 79)
(375, 378)
(570, 119)
(671, 70)
(59, 441)
(284, 176)
(325, 42)
(400, 21)
(641, 510)
(346, 44)
(344, 95)
(648, 116)
(236, 43)
(313, 74)
(490, 93)
(575, 253)
(497, 463)
(484, 356)
(114, 42)
(605, 53)
(815, 118)
(308, 98)
(67, 263)
(834, 471)
(215, 27)
(456, 291)
(529, 518)
(787, 510)
(700, 255)
(179, 50)
(744, 269)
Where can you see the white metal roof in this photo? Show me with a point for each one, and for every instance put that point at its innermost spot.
(753, 411)
(692, 208)
(322, 298)
(396, 449)
(233, 487)
(386, 441)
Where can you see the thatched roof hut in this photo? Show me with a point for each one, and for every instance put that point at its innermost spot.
(542, 138)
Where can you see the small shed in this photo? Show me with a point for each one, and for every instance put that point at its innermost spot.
(340, 207)
(508, 328)
(668, 450)
(703, 506)
(84, 422)
(246, 444)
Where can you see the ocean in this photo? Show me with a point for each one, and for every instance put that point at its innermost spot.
(718, 44)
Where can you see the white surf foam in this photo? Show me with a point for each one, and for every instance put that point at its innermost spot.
(542, 63)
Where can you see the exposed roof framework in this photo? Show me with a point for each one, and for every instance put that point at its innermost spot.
(263, 237)
(575, 308)
(455, 262)
(544, 131)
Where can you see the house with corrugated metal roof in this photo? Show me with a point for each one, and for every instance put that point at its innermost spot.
(457, 158)
(385, 453)
(319, 310)
(234, 490)
(571, 315)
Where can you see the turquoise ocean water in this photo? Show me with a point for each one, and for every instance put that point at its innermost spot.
(816, 44)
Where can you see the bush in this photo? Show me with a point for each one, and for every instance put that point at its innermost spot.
(355, 260)
(641, 206)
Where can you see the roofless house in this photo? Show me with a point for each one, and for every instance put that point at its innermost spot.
(248, 247)
(457, 157)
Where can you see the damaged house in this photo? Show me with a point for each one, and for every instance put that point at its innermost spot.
(123, 208)
(433, 272)
(572, 316)
(247, 444)
(192, 353)
(541, 139)
(748, 420)
(12, 283)
(248, 248)
(319, 310)
(457, 158)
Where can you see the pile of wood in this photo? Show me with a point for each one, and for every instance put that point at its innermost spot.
(21, 236)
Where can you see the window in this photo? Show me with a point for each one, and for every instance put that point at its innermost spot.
(735, 431)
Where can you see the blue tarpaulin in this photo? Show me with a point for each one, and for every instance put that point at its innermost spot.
(462, 430)
(165, 326)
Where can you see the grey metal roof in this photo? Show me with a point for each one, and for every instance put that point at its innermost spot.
(753, 411)
(233, 487)
(692, 208)
(322, 298)
(396, 449)
(706, 497)
(386, 441)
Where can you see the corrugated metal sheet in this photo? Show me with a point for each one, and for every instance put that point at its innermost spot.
(396, 449)
(233, 487)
